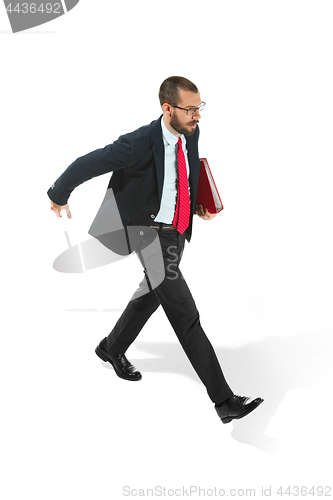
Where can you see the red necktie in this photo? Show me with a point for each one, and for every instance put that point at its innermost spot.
(182, 213)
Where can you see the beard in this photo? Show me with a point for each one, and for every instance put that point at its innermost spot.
(181, 128)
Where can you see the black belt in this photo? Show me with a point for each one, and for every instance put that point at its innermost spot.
(161, 226)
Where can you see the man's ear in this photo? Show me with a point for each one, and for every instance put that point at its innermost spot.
(167, 109)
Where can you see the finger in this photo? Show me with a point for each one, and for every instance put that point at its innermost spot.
(55, 210)
(69, 215)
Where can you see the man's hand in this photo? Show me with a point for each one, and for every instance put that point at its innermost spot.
(57, 209)
(203, 213)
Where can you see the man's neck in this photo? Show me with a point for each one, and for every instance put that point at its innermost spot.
(171, 129)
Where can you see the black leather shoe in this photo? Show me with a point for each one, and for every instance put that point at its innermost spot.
(237, 407)
(122, 367)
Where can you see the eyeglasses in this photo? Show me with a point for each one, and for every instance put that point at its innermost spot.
(191, 111)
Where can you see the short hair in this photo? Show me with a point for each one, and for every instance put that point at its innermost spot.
(169, 90)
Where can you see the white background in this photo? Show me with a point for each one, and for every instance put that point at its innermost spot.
(261, 272)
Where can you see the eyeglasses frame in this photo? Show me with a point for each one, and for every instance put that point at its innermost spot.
(199, 108)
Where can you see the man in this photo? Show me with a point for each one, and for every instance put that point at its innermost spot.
(154, 182)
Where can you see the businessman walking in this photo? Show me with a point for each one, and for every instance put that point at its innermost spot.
(155, 174)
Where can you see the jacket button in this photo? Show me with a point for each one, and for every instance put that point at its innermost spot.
(142, 233)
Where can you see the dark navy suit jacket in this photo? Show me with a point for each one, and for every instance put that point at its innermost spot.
(137, 162)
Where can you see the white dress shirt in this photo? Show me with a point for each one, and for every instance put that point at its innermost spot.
(169, 192)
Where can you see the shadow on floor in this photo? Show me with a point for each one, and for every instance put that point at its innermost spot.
(269, 368)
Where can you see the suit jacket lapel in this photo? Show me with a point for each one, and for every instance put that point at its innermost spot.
(194, 163)
(158, 151)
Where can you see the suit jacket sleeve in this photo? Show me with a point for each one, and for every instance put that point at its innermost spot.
(119, 154)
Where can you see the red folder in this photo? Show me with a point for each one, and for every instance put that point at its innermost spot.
(207, 194)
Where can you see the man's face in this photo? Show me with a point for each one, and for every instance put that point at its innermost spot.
(179, 120)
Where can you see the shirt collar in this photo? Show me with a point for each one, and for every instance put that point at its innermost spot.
(169, 137)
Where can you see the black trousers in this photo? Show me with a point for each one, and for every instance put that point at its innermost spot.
(175, 297)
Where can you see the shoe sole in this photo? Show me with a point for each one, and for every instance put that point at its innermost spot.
(226, 420)
(108, 360)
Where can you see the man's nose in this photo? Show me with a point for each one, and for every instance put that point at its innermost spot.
(196, 114)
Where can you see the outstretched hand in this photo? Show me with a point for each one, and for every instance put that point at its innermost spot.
(203, 213)
(57, 209)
